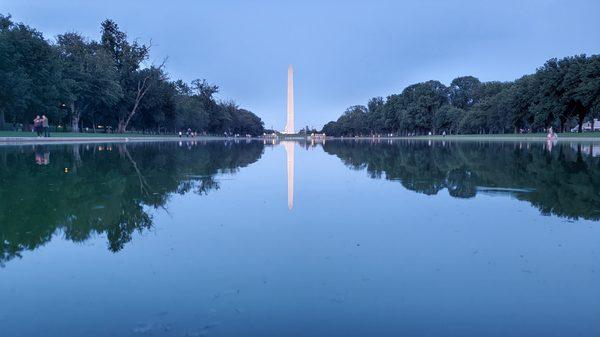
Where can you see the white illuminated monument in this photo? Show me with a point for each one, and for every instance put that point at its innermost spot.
(289, 126)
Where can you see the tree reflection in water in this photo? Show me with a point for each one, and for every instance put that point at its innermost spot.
(94, 189)
(85, 190)
(562, 179)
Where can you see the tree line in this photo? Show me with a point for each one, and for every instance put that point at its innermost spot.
(81, 83)
(561, 94)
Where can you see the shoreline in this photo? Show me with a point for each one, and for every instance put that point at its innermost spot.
(20, 140)
(503, 138)
(96, 139)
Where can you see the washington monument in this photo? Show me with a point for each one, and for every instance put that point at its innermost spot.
(289, 126)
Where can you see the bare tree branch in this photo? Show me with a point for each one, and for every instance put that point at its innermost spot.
(143, 86)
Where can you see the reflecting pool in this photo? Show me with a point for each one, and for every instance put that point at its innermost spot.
(342, 238)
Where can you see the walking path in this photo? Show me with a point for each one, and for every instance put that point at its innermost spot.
(107, 139)
(503, 138)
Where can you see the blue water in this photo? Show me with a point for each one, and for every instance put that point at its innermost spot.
(375, 242)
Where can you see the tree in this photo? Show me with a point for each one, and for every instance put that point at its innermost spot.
(144, 80)
(582, 84)
(331, 129)
(558, 94)
(422, 101)
(14, 82)
(157, 110)
(522, 95)
(465, 91)
(376, 114)
(127, 57)
(354, 120)
(90, 80)
(448, 119)
(568, 89)
(189, 110)
(29, 73)
(104, 83)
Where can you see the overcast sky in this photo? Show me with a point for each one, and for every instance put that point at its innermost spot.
(343, 52)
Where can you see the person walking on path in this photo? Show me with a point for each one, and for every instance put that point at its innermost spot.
(45, 126)
(37, 125)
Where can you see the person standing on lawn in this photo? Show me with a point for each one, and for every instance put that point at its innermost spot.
(45, 126)
(37, 125)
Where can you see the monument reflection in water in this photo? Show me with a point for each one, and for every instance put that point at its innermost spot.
(289, 153)
(193, 238)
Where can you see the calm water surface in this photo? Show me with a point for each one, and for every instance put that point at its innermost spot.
(293, 239)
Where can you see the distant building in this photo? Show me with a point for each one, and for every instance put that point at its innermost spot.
(587, 126)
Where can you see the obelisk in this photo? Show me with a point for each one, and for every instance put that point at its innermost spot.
(289, 126)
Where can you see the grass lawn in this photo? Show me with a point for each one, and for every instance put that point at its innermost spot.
(77, 134)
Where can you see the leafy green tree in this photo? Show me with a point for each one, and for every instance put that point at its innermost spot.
(354, 121)
(376, 115)
(465, 91)
(88, 83)
(90, 80)
(14, 82)
(559, 94)
(189, 110)
(392, 112)
(422, 102)
(582, 86)
(448, 119)
(332, 129)
(522, 95)
(29, 73)
(158, 108)
(128, 57)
